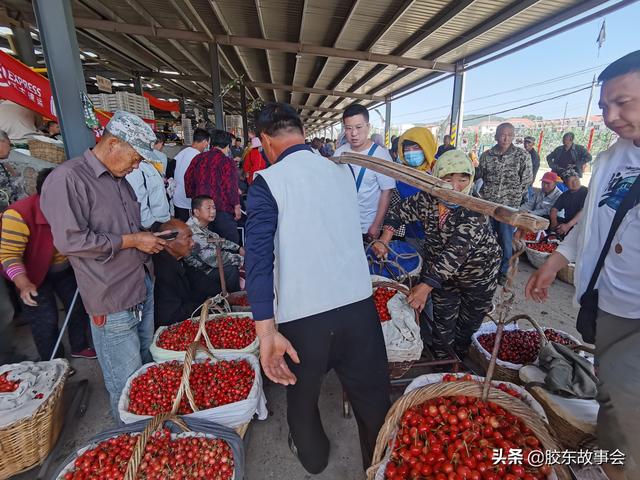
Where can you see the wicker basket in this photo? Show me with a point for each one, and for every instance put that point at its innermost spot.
(27, 442)
(421, 395)
(47, 151)
(566, 274)
(397, 369)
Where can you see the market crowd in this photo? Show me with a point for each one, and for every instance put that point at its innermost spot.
(141, 237)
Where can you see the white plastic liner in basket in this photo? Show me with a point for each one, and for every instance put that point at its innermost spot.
(162, 354)
(231, 415)
(70, 466)
(428, 379)
(35, 378)
(401, 333)
(490, 327)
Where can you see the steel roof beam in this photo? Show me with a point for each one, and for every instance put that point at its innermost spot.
(318, 91)
(300, 38)
(263, 44)
(316, 109)
(263, 32)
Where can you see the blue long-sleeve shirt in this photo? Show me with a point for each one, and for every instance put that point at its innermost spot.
(260, 230)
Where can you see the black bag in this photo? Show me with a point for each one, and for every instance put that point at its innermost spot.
(586, 321)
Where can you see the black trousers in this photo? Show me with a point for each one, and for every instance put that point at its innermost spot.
(226, 226)
(349, 340)
(44, 317)
(182, 213)
(207, 285)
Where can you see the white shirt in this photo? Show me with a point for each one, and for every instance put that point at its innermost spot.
(372, 185)
(148, 184)
(619, 281)
(17, 121)
(183, 160)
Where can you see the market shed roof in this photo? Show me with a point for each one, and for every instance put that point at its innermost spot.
(310, 53)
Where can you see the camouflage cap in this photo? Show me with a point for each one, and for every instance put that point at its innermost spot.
(132, 129)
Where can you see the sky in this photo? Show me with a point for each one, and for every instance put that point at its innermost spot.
(572, 54)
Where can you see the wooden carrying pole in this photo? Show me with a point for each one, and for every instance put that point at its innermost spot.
(443, 190)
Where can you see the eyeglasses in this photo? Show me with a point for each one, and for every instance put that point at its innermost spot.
(355, 128)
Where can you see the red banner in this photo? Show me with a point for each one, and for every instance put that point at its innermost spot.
(25, 87)
(161, 104)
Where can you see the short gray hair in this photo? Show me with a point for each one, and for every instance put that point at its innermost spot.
(4, 137)
(504, 125)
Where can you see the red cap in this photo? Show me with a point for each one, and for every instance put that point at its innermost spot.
(550, 177)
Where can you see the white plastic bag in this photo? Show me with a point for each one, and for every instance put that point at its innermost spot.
(231, 415)
(162, 354)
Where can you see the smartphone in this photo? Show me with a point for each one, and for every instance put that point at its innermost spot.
(170, 235)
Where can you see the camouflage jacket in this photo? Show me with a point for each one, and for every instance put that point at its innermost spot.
(8, 191)
(463, 250)
(203, 255)
(505, 177)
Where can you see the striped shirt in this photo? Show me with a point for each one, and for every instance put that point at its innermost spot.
(13, 242)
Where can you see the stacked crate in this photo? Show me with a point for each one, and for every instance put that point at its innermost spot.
(129, 102)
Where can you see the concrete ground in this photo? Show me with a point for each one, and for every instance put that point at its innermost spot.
(267, 452)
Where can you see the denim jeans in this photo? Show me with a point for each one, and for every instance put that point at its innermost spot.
(504, 231)
(122, 345)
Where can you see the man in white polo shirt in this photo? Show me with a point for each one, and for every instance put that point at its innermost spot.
(307, 273)
(374, 189)
(181, 203)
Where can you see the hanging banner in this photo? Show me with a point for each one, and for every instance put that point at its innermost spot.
(104, 84)
(162, 104)
(23, 86)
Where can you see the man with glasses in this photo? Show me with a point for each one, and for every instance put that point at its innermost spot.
(374, 189)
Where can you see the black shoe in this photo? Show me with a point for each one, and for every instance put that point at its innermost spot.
(292, 446)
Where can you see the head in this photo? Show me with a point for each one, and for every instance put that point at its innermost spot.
(126, 142)
(455, 167)
(238, 142)
(53, 128)
(316, 143)
(620, 97)
(279, 127)
(504, 136)
(221, 140)
(5, 145)
(447, 140)
(417, 148)
(572, 180)
(159, 143)
(42, 176)
(203, 209)
(567, 140)
(529, 143)
(549, 181)
(201, 139)
(356, 126)
(182, 245)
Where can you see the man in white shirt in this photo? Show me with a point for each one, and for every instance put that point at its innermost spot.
(181, 203)
(148, 184)
(374, 189)
(616, 305)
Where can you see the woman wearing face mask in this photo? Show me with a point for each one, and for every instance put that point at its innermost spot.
(461, 256)
(416, 148)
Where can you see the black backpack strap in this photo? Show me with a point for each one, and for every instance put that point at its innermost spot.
(629, 201)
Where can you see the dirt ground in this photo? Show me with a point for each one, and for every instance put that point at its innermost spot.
(267, 452)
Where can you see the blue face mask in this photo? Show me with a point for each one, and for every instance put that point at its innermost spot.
(414, 158)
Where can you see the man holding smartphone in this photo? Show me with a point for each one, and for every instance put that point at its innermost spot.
(95, 222)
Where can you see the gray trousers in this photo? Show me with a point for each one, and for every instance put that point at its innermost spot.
(6, 325)
(618, 353)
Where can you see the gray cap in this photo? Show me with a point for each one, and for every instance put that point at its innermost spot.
(132, 129)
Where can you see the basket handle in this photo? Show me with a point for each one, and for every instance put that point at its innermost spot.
(202, 327)
(385, 262)
(185, 388)
(138, 450)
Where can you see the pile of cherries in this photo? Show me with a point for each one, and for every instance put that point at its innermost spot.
(450, 377)
(164, 458)
(381, 296)
(239, 301)
(544, 247)
(521, 346)
(453, 438)
(233, 333)
(6, 385)
(212, 385)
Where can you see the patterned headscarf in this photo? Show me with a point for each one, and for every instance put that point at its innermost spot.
(454, 161)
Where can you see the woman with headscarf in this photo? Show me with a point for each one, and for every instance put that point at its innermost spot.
(461, 256)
